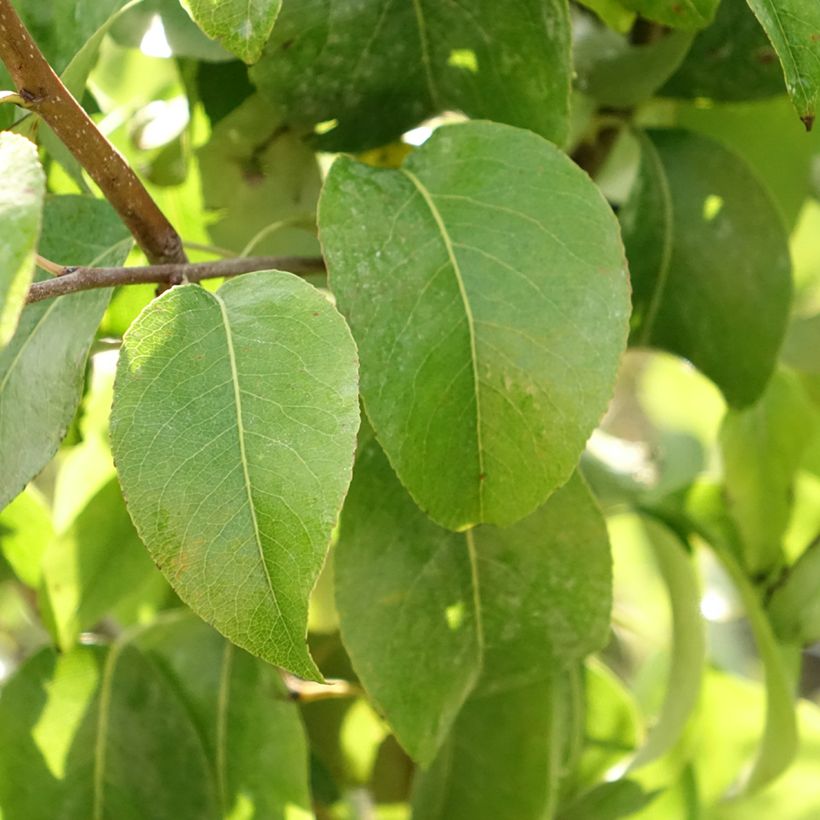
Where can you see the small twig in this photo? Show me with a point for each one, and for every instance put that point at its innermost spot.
(41, 91)
(50, 267)
(73, 280)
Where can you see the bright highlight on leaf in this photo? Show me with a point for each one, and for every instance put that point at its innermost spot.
(233, 430)
(242, 26)
(485, 285)
(21, 206)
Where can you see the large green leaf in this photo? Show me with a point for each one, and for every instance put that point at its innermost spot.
(242, 26)
(21, 207)
(762, 447)
(93, 565)
(169, 722)
(709, 260)
(42, 367)
(489, 322)
(99, 734)
(233, 430)
(368, 71)
(262, 181)
(251, 732)
(793, 27)
(451, 613)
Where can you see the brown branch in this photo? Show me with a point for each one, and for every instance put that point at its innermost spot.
(44, 93)
(73, 280)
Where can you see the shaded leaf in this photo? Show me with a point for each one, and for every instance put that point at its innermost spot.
(447, 614)
(52, 341)
(21, 207)
(793, 26)
(233, 430)
(242, 26)
(251, 732)
(99, 734)
(608, 801)
(368, 72)
(709, 260)
(729, 60)
(686, 14)
(489, 322)
(501, 760)
(794, 608)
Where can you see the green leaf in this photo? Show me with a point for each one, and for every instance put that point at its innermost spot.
(233, 430)
(750, 130)
(709, 260)
(242, 26)
(729, 60)
(50, 348)
(779, 743)
(362, 75)
(445, 609)
(489, 324)
(609, 801)
(252, 734)
(762, 447)
(263, 183)
(172, 717)
(25, 532)
(414, 637)
(688, 646)
(794, 608)
(615, 72)
(100, 734)
(21, 207)
(686, 14)
(502, 760)
(184, 37)
(793, 26)
(97, 562)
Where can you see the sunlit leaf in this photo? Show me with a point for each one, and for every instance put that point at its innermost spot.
(233, 430)
(489, 322)
(21, 206)
(51, 344)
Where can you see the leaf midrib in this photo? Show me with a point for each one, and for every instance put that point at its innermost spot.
(243, 457)
(448, 244)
